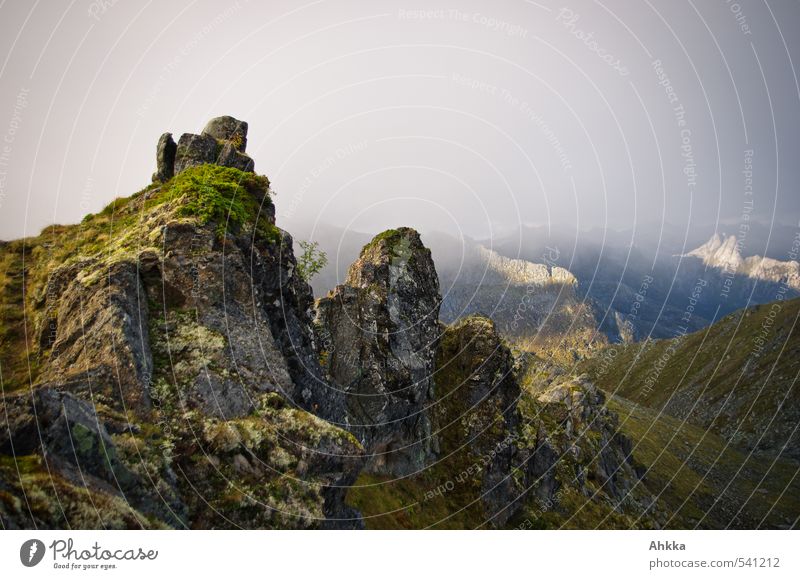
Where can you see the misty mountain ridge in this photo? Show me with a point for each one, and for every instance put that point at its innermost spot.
(724, 252)
(166, 365)
(630, 293)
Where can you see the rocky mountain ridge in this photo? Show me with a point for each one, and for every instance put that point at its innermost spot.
(535, 305)
(164, 365)
(519, 271)
(725, 253)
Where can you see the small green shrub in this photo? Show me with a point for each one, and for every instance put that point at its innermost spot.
(311, 261)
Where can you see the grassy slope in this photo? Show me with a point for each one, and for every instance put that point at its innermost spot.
(704, 480)
(720, 377)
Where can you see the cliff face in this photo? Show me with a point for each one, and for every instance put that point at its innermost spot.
(379, 337)
(174, 373)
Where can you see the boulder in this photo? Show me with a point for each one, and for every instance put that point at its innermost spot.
(230, 156)
(222, 142)
(194, 150)
(227, 128)
(165, 158)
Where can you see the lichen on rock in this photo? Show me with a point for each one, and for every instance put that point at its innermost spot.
(379, 332)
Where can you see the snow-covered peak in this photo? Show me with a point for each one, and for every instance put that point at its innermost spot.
(520, 271)
(724, 252)
(720, 251)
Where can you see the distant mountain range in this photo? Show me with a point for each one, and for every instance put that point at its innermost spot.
(724, 253)
(562, 295)
(165, 364)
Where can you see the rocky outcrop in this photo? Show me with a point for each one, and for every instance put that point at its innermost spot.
(229, 130)
(475, 416)
(75, 441)
(184, 377)
(511, 450)
(576, 410)
(562, 438)
(165, 158)
(378, 339)
(223, 142)
(176, 377)
(95, 338)
(195, 150)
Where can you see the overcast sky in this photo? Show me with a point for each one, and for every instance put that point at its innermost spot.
(371, 114)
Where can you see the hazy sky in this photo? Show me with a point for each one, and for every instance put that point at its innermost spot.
(371, 114)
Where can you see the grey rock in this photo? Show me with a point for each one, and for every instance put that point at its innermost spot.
(379, 332)
(227, 128)
(165, 158)
(288, 303)
(475, 411)
(222, 142)
(229, 156)
(195, 150)
(75, 443)
(100, 341)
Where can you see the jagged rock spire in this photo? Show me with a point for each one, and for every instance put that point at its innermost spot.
(379, 332)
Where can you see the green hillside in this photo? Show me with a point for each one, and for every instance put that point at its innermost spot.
(738, 377)
(703, 480)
